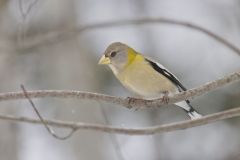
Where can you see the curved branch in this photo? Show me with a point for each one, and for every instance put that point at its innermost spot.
(136, 103)
(62, 35)
(132, 131)
(124, 102)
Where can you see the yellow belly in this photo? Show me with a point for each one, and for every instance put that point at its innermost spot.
(142, 79)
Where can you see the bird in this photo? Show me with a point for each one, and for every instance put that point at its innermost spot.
(143, 76)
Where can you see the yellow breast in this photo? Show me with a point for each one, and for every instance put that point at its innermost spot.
(140, 78)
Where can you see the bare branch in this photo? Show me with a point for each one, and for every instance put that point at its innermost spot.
(49, 129)
(57, 36)
(113, 137)
(24, 12)
(124, 102)
(132, 131)
(133, 103)
(22, 26)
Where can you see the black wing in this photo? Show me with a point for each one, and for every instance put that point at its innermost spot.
(167, 74)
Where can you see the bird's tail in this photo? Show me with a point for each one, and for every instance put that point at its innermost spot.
(189, 109)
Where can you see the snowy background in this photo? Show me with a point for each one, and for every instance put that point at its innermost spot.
(71, 63)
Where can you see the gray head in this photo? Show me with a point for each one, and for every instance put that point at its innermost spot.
(116, 55)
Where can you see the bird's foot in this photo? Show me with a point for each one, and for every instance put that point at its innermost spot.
(130, 103)
(165, 97)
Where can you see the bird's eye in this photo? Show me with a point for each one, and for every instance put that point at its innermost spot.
(113, 54)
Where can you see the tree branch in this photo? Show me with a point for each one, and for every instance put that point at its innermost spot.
(132, 131)
(125, 102)
(56, 36)
(49, 129)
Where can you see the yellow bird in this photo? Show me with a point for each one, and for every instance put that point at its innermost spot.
(143, 76)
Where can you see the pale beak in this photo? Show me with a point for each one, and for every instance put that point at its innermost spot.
(104, 60)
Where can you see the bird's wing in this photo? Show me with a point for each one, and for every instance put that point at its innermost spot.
(162, 70)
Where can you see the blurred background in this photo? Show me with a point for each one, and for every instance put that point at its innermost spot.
(70, 62)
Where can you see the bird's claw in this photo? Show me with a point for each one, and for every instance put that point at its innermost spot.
(165, 97)
(130, 101)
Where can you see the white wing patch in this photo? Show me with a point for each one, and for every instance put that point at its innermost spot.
(164, 71)
(161, 66)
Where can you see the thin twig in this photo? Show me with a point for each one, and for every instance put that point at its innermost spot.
(24, 13)
(22, 26)
(113, 137)
(132, 131)
(56, 36)
(133, 103)
(43, 121)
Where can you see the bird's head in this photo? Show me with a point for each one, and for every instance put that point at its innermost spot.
(118, 55)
